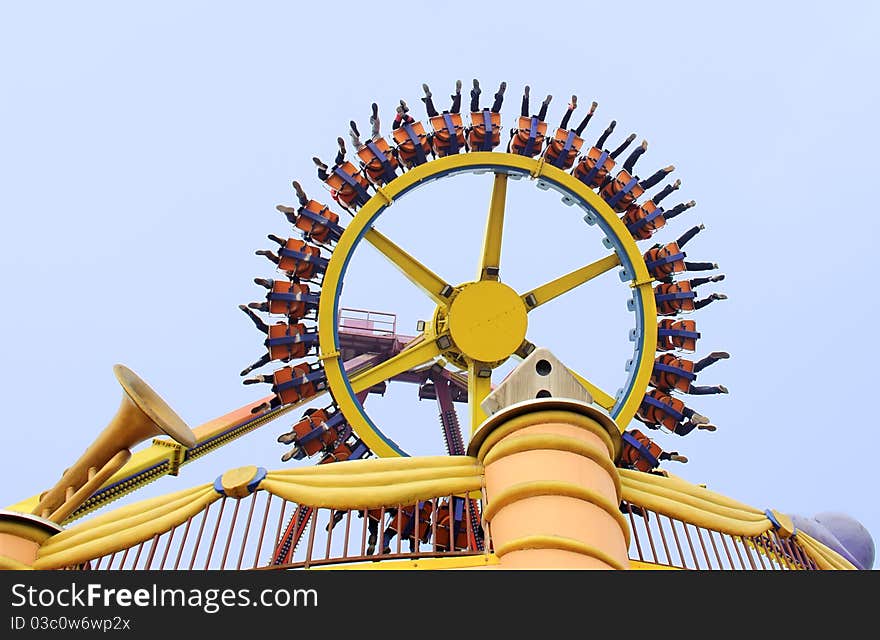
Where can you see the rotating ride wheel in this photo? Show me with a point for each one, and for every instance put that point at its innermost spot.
(477, 325)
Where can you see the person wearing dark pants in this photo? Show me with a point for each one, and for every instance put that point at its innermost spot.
(571, 107)
(683, 240)
(542, 113)
(630, 162)
(402, 118)
(323, 174)
(677, 209)
(475, 97)
(429, 102)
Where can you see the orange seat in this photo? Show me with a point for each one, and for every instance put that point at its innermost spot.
(405, 520)
(292, 384)
(444, 141)
(674, 297)
(639, 451)
(413, 144)
(563, 149)
(312, 435)
(314, 229)
(477, 136)
(280, 301)
(526, 141)
(444, 522)
(622, 191)
(351, 191)
(379, 161)
(665, 260)
(284, 349)
(301, 259)
(668, 414)
(643, 220)
(672, 373)
(677, 334)
(341, 453)
(594, 167)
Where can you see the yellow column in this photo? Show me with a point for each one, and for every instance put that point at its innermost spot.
(552, 491)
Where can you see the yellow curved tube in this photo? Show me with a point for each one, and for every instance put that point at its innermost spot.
(651, 494)
(372, 496)
(561, 544)
(88, 542)
(354, 467)
(532, 442)
(545, 417)
(555, 488)
(696, 516)
(686, 487)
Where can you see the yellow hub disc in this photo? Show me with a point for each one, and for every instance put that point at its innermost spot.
(487, 321)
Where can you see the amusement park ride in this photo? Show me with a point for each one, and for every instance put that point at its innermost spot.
(549, 470)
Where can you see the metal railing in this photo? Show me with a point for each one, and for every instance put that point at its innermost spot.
(250, 533)
(661, 540)
(361, 321)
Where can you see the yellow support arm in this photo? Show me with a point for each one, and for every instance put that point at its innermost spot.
(563, 284)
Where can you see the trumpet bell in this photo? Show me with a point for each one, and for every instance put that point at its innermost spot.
(141, 415)
(154, 408)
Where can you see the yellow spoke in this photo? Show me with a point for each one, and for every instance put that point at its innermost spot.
(428, 281)
(563, 284)
(407, 359)
(491, 259)
(478, 388)
(604, 400)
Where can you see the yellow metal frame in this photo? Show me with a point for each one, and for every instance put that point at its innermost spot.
(627, 255)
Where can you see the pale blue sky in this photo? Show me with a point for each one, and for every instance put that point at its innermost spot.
(145, 146)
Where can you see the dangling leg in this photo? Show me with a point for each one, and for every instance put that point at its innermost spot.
(374, 121)
(265, 359)
(600, 143)
(475, 96)
(542, 114)
(456, 98)
(274, 403)
(687, 235)
(665, 191)
(354, 134)
(623, 146)
(699, 304)
(499, 98)
(700, 266)
(571, 107)
(707, 390)
(257, 320)
(712, 358)
(583, 124)
(266, 378)
(657, 177)
(524, 110)
(679, 208)
(696, 282)
(322, 169)
(340, 155)
(271, 256)
(300, 194)
(268, 283)
(398, 119)
(281, 241)
(429, 103)
(373, 526)
(630, 162)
